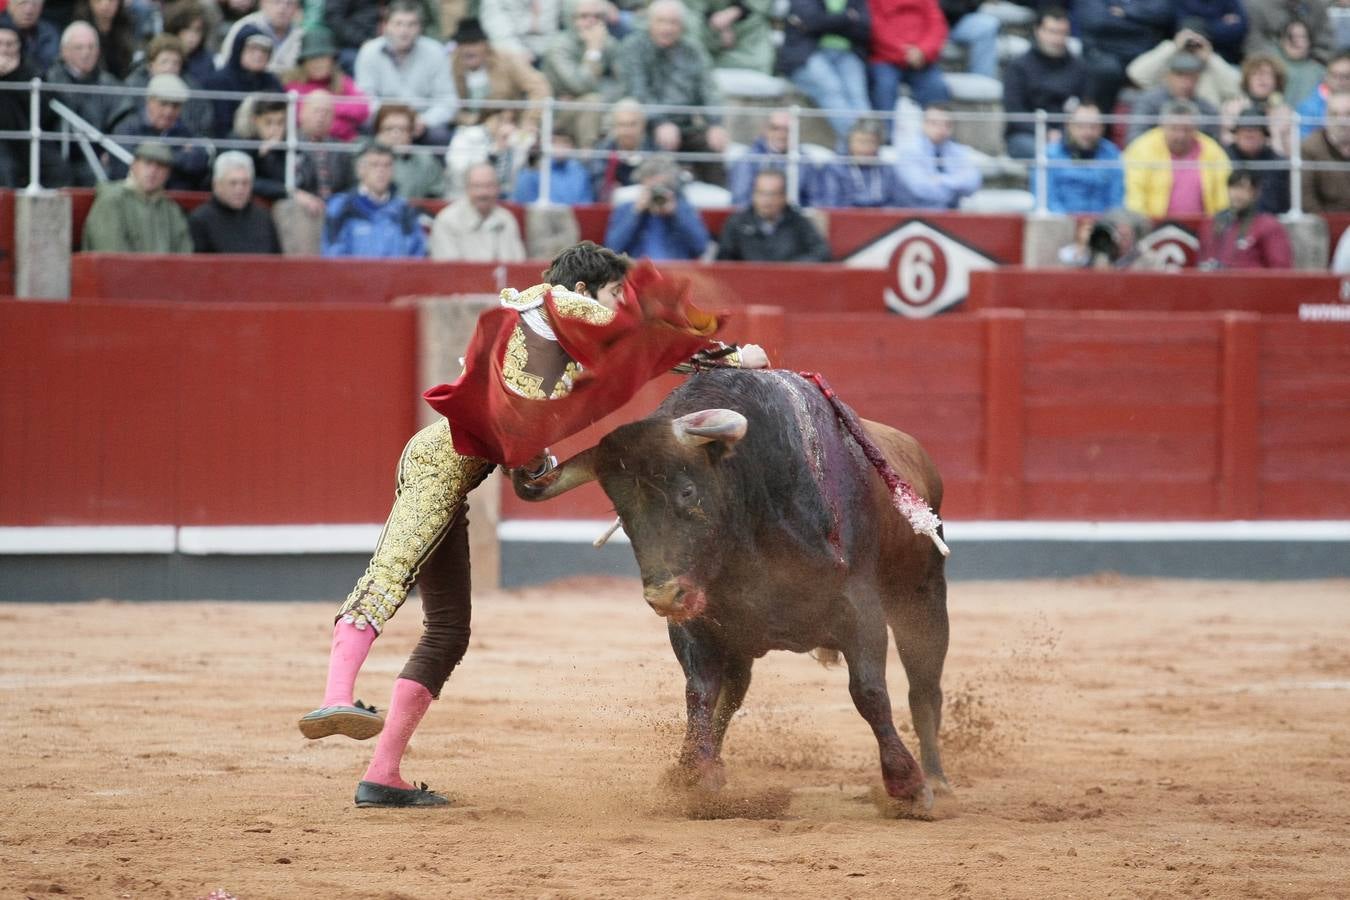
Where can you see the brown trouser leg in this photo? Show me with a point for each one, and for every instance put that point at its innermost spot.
(444, 585)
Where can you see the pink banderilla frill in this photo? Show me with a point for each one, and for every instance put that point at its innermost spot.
(914, 508)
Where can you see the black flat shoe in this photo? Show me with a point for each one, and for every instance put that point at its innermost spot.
(358, 722)
(368, 793)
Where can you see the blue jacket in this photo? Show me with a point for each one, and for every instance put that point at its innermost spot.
(741, 176)
(681, 236)
(355, 225)
(569, 183)
(1314, 107)
(842, 184)
(930, 184)
(1079, 189)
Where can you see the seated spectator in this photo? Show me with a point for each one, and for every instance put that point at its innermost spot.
(186, 20)
(772, 141)
(622, 150)
(523, 28)
(279, 20)
(79, 65)
(160, 116)
(736, 34)
(1217, 81)
(1251, 148)
(116, 33)
(416, 175)
(1262, 90)
(230, 222)
(164, 56)
(1174, 170)
(1074, 188)
(245, 73)
(264, 121)
(476, 227)
(935, 171)
(863, 181)
(1114, 32)
(581, 65)
(1267, 20)
(1183, 74)
(769, 230)
(372, 220)
(974, 32)
(1325, 190)
(135, 215)
(825, 45)
(1303, 73)
(659, 223)
(498, 141)
(402, 64)
(1046, 77)
(484, 73)
(568, 181)
(352, 23)
(320, 174)
(15, 116)
(1112, 242)
(1243, 237)
(1336, 80)
(907, 39)
(1225, 22)
(662, 66)
(40, 39)
(318, 71)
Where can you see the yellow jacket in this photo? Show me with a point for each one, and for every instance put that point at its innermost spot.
(1148, 174)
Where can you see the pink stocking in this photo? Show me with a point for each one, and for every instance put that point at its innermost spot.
(351, 645)
(406, 708)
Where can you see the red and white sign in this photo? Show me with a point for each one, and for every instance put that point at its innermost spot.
(929, 269)
(1178, 248)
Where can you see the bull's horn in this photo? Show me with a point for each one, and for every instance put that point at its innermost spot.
(725, 425)
(577, 471)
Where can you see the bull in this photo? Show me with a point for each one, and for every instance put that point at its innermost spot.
(759, 525)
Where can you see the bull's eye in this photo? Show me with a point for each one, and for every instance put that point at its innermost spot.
(686, 497)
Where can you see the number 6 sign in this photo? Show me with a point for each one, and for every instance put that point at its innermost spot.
(929, 269)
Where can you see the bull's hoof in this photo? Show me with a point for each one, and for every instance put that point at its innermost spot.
(706, 778)
(915, 806)
(939, 786)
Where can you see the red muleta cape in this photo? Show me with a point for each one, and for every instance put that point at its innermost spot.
(656, 326)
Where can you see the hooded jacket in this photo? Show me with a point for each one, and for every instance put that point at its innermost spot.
(233, 77)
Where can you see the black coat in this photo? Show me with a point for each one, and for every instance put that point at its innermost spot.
(233, 77)
(1145, 25)
(216, 228)
(1035, 81)
(808, 20)
(794, 239)
(1274, 195)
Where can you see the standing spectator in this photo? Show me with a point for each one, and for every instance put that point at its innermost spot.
(772, 142)
(476, 227)
(161, 117)
(1183, 75)
(483, 73)
(1046, 77)
(1071, 188)
(416, 175)
(907, 39)
(1217, 82)
(568, 181)
(402, 64)
(230, 222)
(186, 20)
(1303, 73)
(245, 73)
(1336, 81)
(1114, 32)
(770, 230)
(373, 221)
(1267, 20)
(319, 71)
(1225, 22)
(661, 66)
(40, 39)
(622, 150)
(975, 32)
(736, 33)
(1243, 237)
(659, 223)
(1174, 170)
(522, 27)
(1251, 148)
(582, 65)
(280, 21)
(824, 52)
(936, 171)
(134, 215)
(1325, 190)
(863, 181)
(116, 33)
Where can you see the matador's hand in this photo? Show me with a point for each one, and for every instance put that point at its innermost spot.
(753, 357)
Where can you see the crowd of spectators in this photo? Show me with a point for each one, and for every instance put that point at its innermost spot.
(442, 99)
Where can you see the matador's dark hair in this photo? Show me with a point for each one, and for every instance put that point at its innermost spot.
(589, 263)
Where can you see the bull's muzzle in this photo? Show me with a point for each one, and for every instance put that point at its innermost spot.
(676, 600)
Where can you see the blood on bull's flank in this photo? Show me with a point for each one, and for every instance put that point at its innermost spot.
(760, 523)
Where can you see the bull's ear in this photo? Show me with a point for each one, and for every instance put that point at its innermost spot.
(697, 428)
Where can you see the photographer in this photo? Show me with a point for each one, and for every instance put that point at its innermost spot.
(1216, 80)
(659, 223)
(1112, 242)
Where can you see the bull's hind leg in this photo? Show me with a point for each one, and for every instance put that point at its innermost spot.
(703, 662)
(907, 793)
(920, 626)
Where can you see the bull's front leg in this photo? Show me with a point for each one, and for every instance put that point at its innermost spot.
(699, 766)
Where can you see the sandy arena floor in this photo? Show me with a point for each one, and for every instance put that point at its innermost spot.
(1106, 738)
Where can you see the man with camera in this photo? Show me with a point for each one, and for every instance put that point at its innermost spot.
(1216, 82)
(659, 223)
